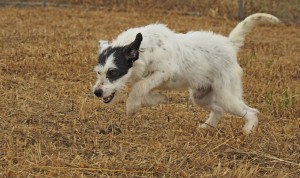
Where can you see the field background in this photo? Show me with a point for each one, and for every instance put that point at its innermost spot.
(287, 10)
(51, 125)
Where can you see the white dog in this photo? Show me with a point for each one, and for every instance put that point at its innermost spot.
(154, 57)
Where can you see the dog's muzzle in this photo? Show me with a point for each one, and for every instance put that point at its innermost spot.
(99, 93)
(109, 98)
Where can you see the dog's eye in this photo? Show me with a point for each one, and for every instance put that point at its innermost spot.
(98, 73)
(112, 73)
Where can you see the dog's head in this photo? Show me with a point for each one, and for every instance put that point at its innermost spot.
(113, 69)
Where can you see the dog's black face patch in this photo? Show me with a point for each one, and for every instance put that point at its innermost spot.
(121, 64)
(123, 58)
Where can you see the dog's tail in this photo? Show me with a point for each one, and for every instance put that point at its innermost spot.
(237, 35)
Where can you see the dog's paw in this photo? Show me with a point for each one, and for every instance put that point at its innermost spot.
(203, 126)
(250, 126)
(251, 121)
(132, 106)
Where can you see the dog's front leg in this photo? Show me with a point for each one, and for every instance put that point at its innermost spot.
(153, 99)
(142, 89)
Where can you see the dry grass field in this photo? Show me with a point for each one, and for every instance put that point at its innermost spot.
(51, 125)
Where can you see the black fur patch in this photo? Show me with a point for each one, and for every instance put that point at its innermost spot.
(124, 56)
(122, 65)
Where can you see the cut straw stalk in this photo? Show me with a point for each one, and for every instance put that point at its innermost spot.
(260, 154)
(92, 169)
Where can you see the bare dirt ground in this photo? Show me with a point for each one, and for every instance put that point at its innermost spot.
(51, 125)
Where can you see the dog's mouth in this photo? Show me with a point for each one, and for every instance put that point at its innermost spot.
(109, 98)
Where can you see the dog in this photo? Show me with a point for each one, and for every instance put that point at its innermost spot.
(155, 57)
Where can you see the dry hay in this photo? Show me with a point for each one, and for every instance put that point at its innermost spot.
(288, 10)
(51, 124)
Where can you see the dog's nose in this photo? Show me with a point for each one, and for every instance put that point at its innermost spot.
(98, 92)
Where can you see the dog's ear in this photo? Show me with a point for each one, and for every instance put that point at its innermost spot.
(132, 50)
(102, 44)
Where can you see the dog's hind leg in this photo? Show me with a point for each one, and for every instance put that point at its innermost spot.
(237, 107)
(213, 120)
(205, 99)
(248, 113)
(228, 95)
(250, 118)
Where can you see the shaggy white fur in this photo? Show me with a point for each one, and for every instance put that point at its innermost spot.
(203, 62)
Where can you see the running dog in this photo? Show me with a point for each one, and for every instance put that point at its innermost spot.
(155, 57)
